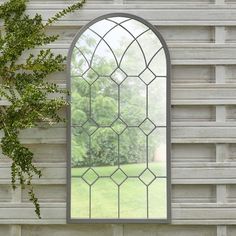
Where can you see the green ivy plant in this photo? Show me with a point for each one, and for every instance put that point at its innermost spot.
(24, 89)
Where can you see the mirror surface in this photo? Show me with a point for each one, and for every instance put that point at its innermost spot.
(118, 122)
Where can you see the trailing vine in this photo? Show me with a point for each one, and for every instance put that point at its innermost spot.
(24, 90)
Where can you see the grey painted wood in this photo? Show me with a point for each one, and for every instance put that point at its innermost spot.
(201, 35)
(62, 230)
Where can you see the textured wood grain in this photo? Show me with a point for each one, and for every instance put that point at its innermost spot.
(72, 230)
(201, 35)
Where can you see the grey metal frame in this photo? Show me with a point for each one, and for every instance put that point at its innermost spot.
(168, 127)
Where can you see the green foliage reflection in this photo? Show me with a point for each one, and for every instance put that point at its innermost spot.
(107, 109)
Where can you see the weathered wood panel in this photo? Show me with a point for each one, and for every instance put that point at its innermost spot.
(193, 74)
(5, 230)
(201, 35)
(72, 230)
(193, 152)
(187, 193)
(45, 193)
(140, 230)
(193, 113)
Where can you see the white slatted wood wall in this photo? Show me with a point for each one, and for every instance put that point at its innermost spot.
(201, 35)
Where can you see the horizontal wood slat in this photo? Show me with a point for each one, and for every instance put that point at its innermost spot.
(180, 212)
(201, 36)
(178, 14)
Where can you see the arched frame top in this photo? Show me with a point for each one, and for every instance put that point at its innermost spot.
(70, 219)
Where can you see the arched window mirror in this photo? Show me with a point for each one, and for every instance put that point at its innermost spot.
(119, 122)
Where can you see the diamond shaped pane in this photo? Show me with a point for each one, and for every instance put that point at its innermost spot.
(147, 126)
(118, 76)
(90, 76)
(147, 76)
(90, 176)
(119, 126)
(119, 176)
(90, 126)
(147, 177)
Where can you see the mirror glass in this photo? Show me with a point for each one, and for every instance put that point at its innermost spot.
(118, 76)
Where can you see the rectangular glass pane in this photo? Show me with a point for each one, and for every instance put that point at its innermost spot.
(157, 199)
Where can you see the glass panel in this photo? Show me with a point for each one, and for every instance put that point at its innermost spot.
(129, 63)
(90, 76)
(79, 198)
(147, 39)
(158, 63)
(78, 63)
(79, 100)
(118, 119)
(157, 199)
(104, 99)
(134, 27)
(118, 39)
(157, 107)
(118, 19)
(79, 147)
(102, 27)
(133, 151)
(104, 204)
(147, 76)
(119, 176)
(157, 152)
(104, 147)
(103, 61)
(133, 101)
(133, 199)
(87, 43)
(105, 171)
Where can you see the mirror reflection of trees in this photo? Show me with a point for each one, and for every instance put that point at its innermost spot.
(118, 122)
(95, 99)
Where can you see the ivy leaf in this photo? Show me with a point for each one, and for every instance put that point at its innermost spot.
(25, 88)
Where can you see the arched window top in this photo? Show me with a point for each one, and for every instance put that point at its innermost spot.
(119, 129)
(125, 42)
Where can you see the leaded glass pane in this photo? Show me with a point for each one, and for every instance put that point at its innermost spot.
(118, 125)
